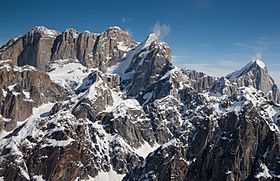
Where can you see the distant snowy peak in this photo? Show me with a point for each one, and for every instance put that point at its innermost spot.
(44, 31)
(74, 33)
(114, 28)
(253, 65)
(53, 33)
(260, 63)
(257, 75)
(102, 107)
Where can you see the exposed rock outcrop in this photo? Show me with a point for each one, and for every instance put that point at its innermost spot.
(23, 88)
(256, 74)
(34, 48)
(40, 46)
(236, 145)
(113, 109)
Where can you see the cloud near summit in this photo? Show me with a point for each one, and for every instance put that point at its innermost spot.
(161, 30)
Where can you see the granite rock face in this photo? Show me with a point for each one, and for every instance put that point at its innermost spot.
(22, 89)
(34, 48)
(102, 107)
(256, 74)
(147, 64)
(236, 145)
(40, 46)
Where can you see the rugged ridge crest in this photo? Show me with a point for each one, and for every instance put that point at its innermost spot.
(85, 106)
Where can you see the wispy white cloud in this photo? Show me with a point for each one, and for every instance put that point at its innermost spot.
(206, 45)
(275, 64)
(202, 4)
(256, 48)
(208, 69)
(127, 19)
(276, 76)
(251, 47)
(161, 30)
(259, 45)
(229, 63)
(257, 55)
(176, 58)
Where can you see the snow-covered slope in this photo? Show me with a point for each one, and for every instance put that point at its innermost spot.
(128, 113)
(67, 74)
(256, 74)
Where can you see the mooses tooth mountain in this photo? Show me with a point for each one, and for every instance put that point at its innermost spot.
(101, 106)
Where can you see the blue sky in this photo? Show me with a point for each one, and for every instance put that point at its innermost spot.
(216, 36)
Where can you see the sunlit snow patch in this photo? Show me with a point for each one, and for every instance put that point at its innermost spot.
(67, 73)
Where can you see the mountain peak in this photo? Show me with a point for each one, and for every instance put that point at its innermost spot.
(256, 74)
(114, 28)
(70, 30)
(152, 36)
(38, 28)
(254, 64)
(105, 108)
(44, 31)
(150, 39)
(260, 63)
(74, 33)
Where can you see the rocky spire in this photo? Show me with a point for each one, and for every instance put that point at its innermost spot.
(144, 117)
(252, 66)
(41, 46)
(256, 74)
(44, 31)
